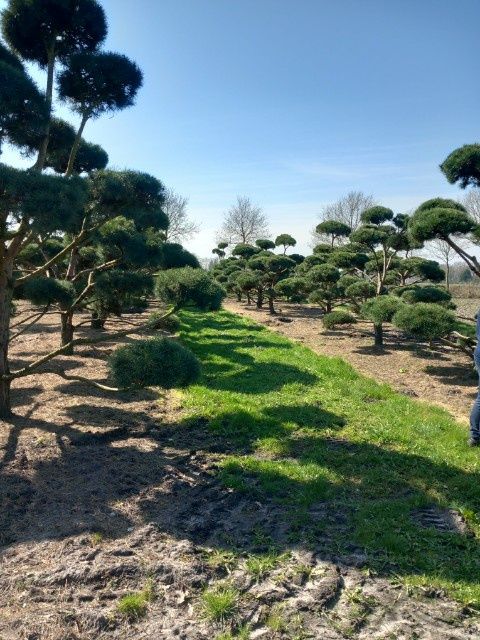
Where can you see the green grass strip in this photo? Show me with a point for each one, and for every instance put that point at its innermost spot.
(309, 429)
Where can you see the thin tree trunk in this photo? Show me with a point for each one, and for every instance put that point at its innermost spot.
(5, 311)
(259, 299)
(67, 330)
(271, 308)
(447, 275)
(76, 144)
(378, 331)
(249, 300)
(42, 152)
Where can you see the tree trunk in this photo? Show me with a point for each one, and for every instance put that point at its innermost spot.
(447, 275)
(42, 152)
(378, 330)
(271, 308)
(249, 300)
(97, 322)
(67, 330)
(328, 307)
(5, 311)
(76, 144)
(239, 297)
(259, 299)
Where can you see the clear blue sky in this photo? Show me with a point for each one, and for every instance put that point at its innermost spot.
(295, 102)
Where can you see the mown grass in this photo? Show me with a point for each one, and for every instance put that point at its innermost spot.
(310, 430)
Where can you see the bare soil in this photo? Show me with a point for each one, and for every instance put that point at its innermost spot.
(441, 375)
(103, 495)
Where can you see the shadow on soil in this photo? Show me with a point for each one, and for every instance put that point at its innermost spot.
(135, 471)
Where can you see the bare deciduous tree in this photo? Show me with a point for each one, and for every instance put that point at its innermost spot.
(180, 227)
(346, 209)
(446, 254)
(243, 223)
(471, 202)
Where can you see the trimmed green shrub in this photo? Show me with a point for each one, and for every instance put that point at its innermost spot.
(425, 321)
(158, 362)
(335, 318)
(379, 310)
(189, 286)
(430, 294)
(43, 291)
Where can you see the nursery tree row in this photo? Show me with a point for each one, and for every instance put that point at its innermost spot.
(77, 237)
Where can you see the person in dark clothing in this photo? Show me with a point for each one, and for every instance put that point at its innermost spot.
(474, 440)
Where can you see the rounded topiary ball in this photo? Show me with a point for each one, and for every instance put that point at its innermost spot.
(338, 317)
(159, 362)
(426, 321)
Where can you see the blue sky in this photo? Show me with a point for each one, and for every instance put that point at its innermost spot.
(294, 102)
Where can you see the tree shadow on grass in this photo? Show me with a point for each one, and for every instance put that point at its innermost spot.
(335, 496)
(291, 479)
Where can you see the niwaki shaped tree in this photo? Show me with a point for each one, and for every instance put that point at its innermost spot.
(97, 83)
(46, 31)
(73, 242)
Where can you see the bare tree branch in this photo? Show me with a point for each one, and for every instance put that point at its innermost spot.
(243, 223)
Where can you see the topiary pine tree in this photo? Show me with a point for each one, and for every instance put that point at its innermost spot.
(334, 229)
(323, 288)
(463, 166)
(380, 241)
(44, 31)
(97, 83)
(379, 310)
(445, 219)
(425, 321)
(60, 235)
(285, 240)
(270, 270)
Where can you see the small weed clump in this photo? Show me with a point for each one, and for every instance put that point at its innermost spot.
(219, 602)
(134, 605)
(259, 565)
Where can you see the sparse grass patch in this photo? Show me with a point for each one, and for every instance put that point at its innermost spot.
(219, 602)
(221, 559)
(370, 464)
(135, 605)
(96, 538)
(259, 565)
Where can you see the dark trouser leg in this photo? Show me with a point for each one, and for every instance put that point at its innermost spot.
(475, 419)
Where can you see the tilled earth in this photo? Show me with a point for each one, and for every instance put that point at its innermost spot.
(102, 496)
(442, 376)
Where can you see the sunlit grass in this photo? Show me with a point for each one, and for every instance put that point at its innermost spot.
(309, 429)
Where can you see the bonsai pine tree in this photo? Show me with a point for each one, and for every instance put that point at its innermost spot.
(62, 234)
(333, 229)
(463, 166)
(245, 251)
(322, 282)
(425, 321)
(285, 240)
(24, 112)
(97, 83)
(245, 282)
(380, 240)
(270, 270)
(44, 31)
(447, 220)
(379, 310)
(264, 244)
